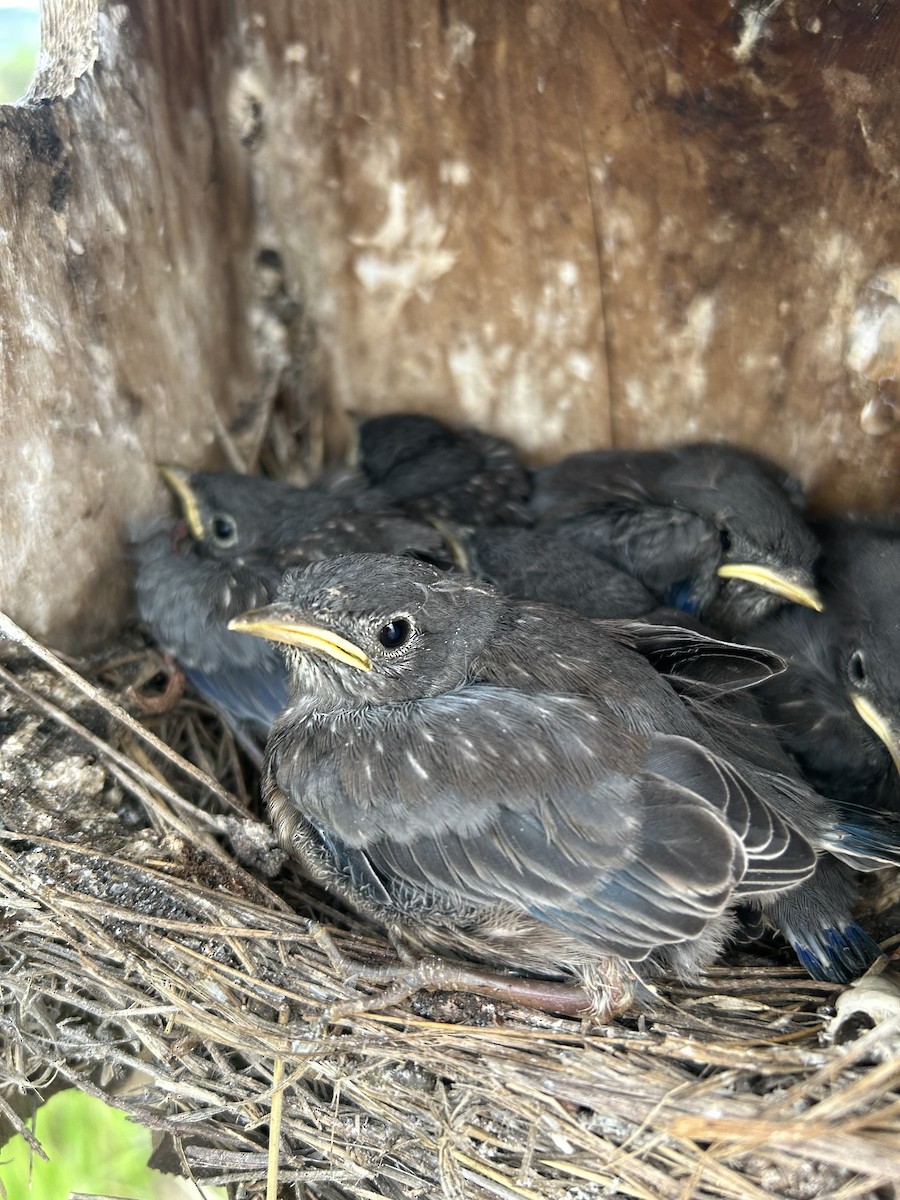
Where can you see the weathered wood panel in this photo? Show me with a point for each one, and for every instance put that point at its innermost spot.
(572, 222)
(129, 301)
(584, 221)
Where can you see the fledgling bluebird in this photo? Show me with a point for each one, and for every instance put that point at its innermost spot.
(837, 705)
(513, 782)
(709, 528)
(238, 536)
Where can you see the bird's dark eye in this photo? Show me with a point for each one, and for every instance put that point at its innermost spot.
(856, 668)
(395, 633)
(725, 540)
(223, 530)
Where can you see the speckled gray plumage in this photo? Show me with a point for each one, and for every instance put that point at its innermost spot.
(188, 588)
(529, 565)
(851, 647)
(435, 471)
(672, 517)
(518, 784)
(186, 601)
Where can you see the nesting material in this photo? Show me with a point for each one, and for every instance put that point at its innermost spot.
(159, 951)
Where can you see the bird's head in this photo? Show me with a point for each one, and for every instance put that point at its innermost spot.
(767, 551)
(862, 591)
(371, 628)
(228, 514)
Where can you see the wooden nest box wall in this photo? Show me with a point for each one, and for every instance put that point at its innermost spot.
(576, 223)
(572, 223)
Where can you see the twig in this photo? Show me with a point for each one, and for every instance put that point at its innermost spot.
(9, 629)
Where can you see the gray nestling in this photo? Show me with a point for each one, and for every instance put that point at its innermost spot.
(837, 706)
(237, 536)
(709, 528)
(539, 566)
(512, 782)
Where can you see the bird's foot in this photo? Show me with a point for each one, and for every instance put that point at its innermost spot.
(431, 974)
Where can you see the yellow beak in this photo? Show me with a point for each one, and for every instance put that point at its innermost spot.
(792, 587)
(177, 478)
(279, 624)
(879, 726)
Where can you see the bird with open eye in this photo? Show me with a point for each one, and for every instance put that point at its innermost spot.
(837, 705)
(237, 536)
(709, 528)
(440, 473)
(513, 783)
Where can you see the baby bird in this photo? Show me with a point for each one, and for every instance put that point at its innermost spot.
(433, 471)
(514, 783)
(837, 706)
(237, 537)
(711, 529)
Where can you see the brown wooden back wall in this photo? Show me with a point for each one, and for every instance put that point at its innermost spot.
(574, 223)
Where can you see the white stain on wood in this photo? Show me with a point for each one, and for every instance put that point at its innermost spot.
(754, 18)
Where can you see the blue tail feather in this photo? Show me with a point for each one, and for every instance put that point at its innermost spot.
(835, 955)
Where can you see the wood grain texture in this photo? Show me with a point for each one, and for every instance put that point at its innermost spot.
(583, 222)
(572, 222)
(134, 328)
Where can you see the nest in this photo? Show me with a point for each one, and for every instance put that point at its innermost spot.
(159, 951)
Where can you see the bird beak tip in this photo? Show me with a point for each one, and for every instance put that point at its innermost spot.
(255, 622)
(790, 587)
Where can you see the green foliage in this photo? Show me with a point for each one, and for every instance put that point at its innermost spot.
(16, 69)
(19, 45)
(91, 1148)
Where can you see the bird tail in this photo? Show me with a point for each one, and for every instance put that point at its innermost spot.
(817, 919)
(836, 954)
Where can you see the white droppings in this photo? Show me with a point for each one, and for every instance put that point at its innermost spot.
(635, 394)
(686, 372)
(580, 366)
(874, 335)
(404, 255)
(753, 17)
(552, 362)
(622, 244)
(879, 416)
(39, 335)
(455, 172)
(473, 365)
(460, 40)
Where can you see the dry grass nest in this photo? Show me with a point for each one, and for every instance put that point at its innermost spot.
(159, 951)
